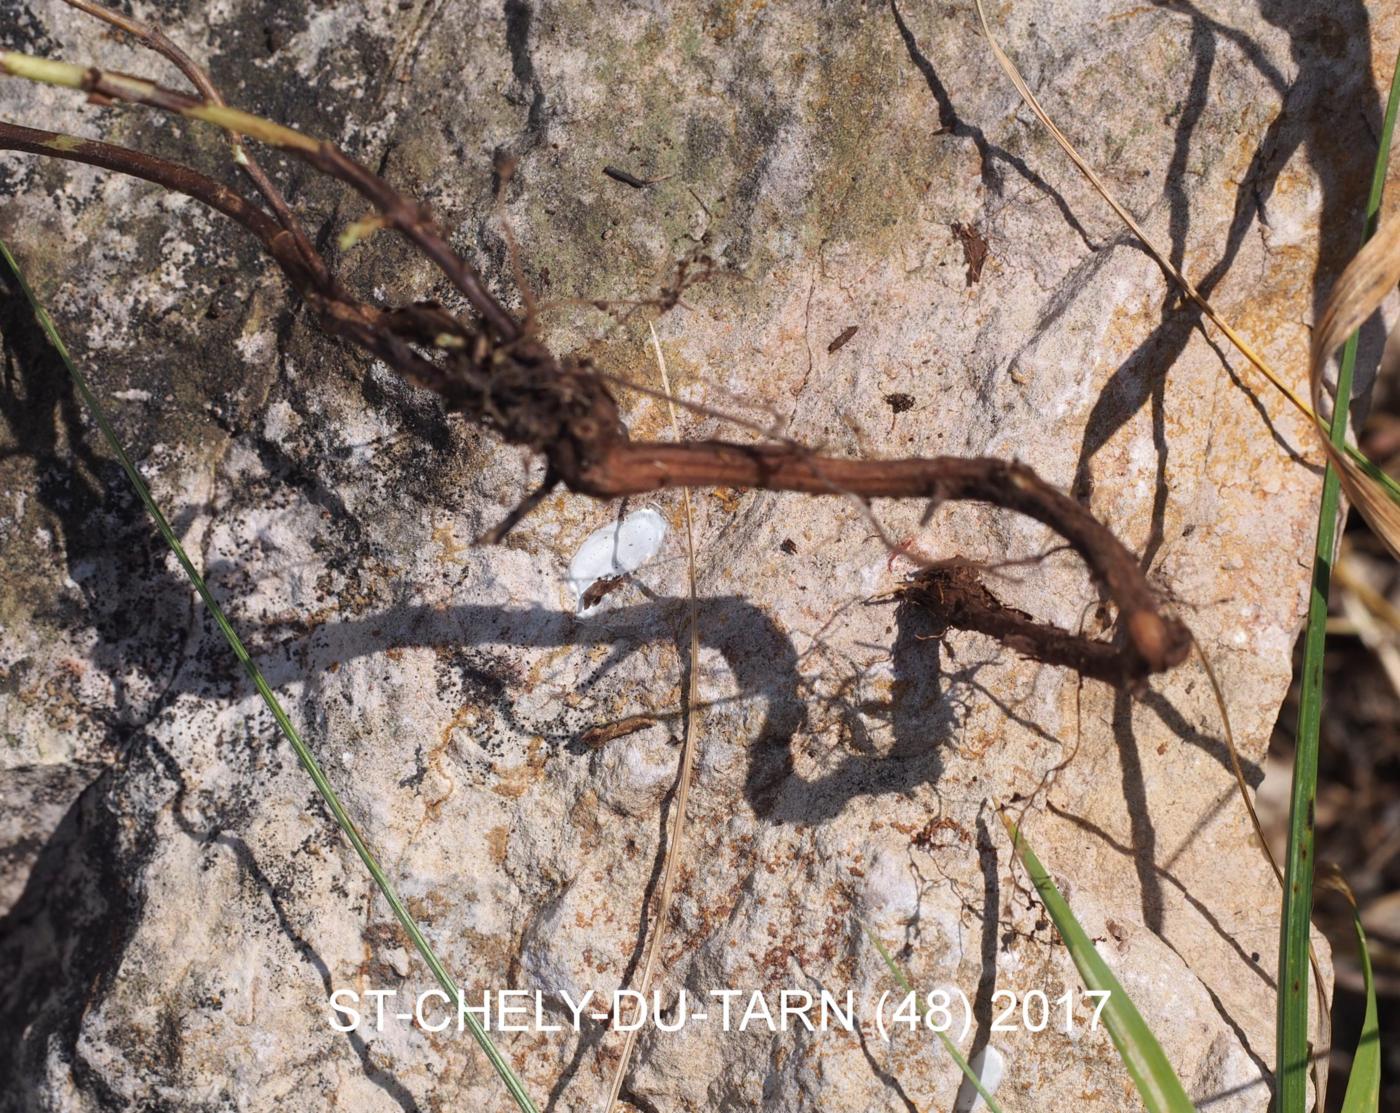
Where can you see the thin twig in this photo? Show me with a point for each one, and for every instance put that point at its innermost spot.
(687, 763)
(153, 38)
(1126, 217)
(509, 382)
(411, 219)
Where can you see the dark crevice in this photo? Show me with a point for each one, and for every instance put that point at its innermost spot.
(989, 153)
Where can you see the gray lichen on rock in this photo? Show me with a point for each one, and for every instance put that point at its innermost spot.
(177, 906)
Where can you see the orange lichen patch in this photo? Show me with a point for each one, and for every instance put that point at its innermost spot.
(58, 695)
(541, 669)
(446, 539)
(724, 20)
(1274, 314)
(516, 781)
(977, 742)
(1130, 13)
(497, 843)
(583, 822)
(465, 716)
(425, 909)
(718, 908)
(728, 498)
(633, 361)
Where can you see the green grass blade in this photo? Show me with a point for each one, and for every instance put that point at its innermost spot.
(1294, 936)
(304, 754)
(1385, 479)
(1158, 1084)
(1364, 1085)
(948, 1044)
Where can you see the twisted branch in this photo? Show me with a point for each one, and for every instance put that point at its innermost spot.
(494, 372)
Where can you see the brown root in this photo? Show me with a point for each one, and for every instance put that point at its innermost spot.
(496, 373)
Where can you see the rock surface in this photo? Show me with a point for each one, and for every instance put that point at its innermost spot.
(177, 906)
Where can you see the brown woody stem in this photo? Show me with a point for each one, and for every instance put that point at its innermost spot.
(276, 240)
(635, 467)
(411, 219)
(153, 38)
(509, 382)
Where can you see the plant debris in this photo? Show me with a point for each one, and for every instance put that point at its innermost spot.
(842, 339)
(491, 368)
(597, 737)
(599, 590)
(625, 178)
(974, 247)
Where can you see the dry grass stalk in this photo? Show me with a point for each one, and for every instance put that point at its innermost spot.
(691, 712)
(1357, 294)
